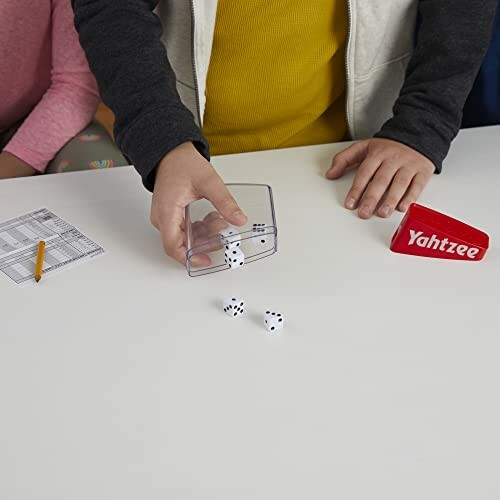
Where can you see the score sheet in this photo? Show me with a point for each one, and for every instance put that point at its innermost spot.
(65, 245)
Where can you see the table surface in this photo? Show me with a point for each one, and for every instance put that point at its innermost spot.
(122, 379)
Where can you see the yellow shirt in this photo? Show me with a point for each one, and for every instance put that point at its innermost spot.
(277, 75)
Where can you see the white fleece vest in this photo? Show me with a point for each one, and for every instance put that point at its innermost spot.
(380, 44)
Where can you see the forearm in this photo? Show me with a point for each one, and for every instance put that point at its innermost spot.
(122, 39)
(63, 112)
(452, 41)
(65, 109)
(68, 104)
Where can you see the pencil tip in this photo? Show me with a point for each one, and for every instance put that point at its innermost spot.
(38, 278)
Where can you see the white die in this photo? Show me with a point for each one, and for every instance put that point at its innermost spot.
(234, 307)
(273, 321)
(234, 258)
(230, 238)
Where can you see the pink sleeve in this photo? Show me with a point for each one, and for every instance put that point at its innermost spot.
(67, 106)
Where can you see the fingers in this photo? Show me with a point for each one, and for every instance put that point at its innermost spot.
(200, 260)
(353, 155)
(207, 235)
(417, 186)
(174, 239)
(199, 230)
(376, 189)
(172, 236)
(398, 187)
(363, 177)
(397, 190)
(388, 171)
(214, 190)
(214, 215)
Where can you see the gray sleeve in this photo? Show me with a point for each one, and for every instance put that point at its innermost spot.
(122, 40)
(452, 41)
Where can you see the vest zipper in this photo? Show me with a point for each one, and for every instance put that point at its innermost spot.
(193, 63)
(347, 69)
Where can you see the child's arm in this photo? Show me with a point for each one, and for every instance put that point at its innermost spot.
(122, 39)
(68, 105)
(153, 128)
(452, 41)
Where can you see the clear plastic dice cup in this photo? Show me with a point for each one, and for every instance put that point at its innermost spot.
(229, 247)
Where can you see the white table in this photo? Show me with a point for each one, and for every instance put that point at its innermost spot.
(122, 379)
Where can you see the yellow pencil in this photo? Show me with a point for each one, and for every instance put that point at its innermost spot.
(39, 261)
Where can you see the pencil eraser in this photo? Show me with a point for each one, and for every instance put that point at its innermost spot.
(427, 233)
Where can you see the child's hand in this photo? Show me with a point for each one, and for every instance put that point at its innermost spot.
(390, 176)
(11, 166)
(183, 176)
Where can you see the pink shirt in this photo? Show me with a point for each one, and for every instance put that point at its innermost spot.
(44, 78)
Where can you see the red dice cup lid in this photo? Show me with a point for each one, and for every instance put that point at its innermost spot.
(428, 233)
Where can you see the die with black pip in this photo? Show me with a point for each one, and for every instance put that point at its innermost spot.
(233, 307)
(273, 321)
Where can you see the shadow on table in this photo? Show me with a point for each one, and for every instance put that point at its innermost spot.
(135, 233)
(126, 224)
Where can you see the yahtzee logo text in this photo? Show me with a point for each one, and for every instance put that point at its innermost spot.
(420, 239)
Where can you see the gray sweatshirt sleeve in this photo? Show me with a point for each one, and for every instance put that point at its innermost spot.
(122, 40)
(452, 40)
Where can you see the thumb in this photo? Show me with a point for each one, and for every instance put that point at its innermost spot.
(215, 191)
(351, 156)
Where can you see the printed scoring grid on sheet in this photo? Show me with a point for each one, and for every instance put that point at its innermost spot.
(19, 237)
